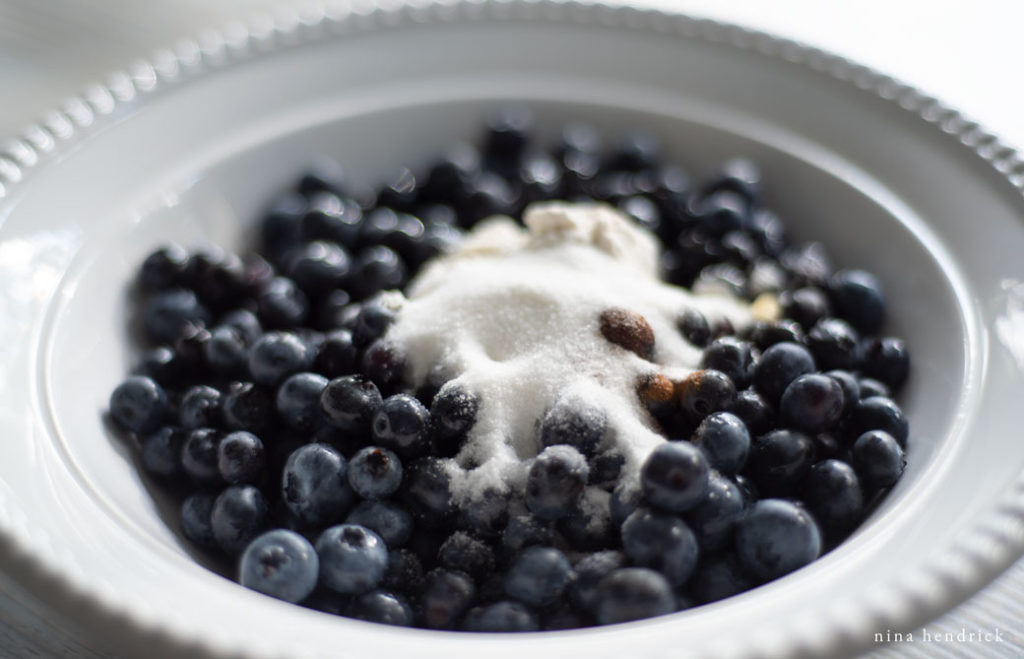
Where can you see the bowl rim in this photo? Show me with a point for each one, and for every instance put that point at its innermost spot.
(929, 589)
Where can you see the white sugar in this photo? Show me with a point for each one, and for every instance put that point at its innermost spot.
(513, 317)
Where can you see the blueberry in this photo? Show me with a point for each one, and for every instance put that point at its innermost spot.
(217, 277)
(722, 212)
(452, 414)
(539, 576)
(166, 315)
(319, 266)
(401, 423)
(524, 531)
(489, 195)
(195, 519)
(240, 458)
(878, 459)
(738, 175)
(633, 593)
(641, 210)
(724, 278)
(438, 239)
(660, 541)
(888, 360)
(879, 413)
(748, 489)
(334, 310)
(779, 460)
(765, 335)
(636, 150)
(247, 406)
(858, 299)
(831, 490)
(450, 179)
(199, 408)
(485, 515)
(314, 484)
(161, 451)
(165, 267)
(829, 445)
(871, 387)
(199, 455)
(382, 607)
(590, 571)
(588, 528)
(445, 597)
(851, 389)
(161, 365)
(504, 616)
(508, 132)
(693, 325)
(706, 392)
(834, 344)
(675, 476)
(768, 230)
(388, 520)
(712, 520)
(806, 305)
(239, 514)
(404, 573)
(282, 304)
(767, 276)
(400, 191)
(426, 491)
(281, 224)
(189, 351)
(776, 537)
(540, 177)
(337, 355)
(717, 578)
(298, 399)
(350, 403)
(384, 365)
(752, 409)
(139, 404)
(813, 403)
(724, 440)
(352, 559)
(374, 472)
(332, 218)
(280, 563)
(323, 175)
(227, 351)
(781, 364)
(375, 316)
(462, 551)
(277, 355)
(577, 136)
(807, 264)
(555, 482)
(606, 468)
(374, 269)
(575, 422)
(626, 497)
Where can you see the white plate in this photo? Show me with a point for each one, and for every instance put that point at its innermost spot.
(190, 147)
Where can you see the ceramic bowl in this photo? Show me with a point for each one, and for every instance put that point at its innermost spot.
(191, 145)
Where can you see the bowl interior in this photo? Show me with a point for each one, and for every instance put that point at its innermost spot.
(819, 196)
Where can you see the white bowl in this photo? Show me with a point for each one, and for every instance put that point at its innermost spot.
(190, 146)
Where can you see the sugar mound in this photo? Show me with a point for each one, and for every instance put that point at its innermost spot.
(513, 316)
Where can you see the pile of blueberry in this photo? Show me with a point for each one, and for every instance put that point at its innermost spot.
(272, 405)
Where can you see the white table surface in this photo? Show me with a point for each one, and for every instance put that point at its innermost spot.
(968, 54)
